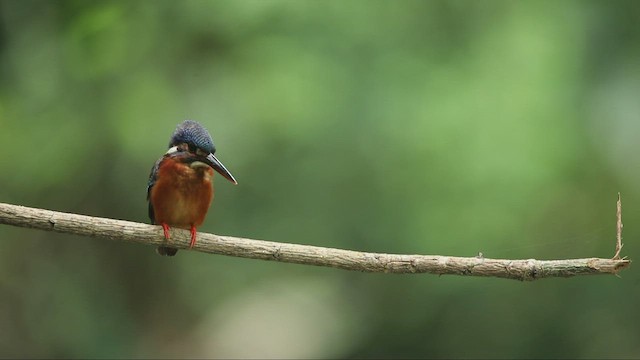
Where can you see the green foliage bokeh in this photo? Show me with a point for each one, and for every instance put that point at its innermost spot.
(433, 127)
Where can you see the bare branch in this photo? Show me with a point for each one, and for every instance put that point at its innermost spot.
(529, 269)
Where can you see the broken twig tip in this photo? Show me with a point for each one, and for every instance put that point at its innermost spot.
(619, 244)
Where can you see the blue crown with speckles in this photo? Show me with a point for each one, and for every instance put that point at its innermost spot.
(191, 132)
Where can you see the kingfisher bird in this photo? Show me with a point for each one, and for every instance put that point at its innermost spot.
(180, 188)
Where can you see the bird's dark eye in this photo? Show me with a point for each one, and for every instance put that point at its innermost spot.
(192, 148)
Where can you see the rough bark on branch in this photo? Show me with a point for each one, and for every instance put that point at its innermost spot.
(528, 269)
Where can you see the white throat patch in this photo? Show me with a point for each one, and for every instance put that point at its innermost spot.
(197, 164)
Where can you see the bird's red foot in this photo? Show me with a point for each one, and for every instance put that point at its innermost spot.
(165, 228)
(193, 236)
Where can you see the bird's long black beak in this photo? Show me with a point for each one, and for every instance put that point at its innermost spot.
(217, 166)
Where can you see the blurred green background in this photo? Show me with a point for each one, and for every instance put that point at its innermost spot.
(432, 127)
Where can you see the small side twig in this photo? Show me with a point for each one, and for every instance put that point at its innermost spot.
(619, 244)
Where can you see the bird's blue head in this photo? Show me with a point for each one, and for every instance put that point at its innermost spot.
(193, 134)
(192, 142)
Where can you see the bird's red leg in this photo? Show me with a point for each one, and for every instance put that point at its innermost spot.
(193, 236)
(165, 228)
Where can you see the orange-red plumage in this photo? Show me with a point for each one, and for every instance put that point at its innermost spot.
(182, 194)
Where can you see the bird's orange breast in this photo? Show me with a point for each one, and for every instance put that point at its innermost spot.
(182, 194)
